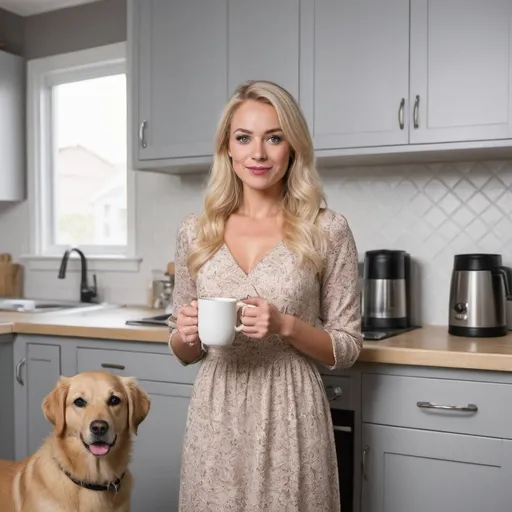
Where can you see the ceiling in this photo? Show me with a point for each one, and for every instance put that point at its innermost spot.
(30, 7)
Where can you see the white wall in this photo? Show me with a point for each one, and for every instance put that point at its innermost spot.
(433, 211)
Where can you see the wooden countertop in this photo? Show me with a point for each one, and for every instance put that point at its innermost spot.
(428, 346)
(5, 328)
(433, 346)
(109, 323)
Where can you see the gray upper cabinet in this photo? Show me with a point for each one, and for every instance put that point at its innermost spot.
(372, 77)
(186, 58)
(264, 42)
(182, 76)
(354, 73)
(461, 66)
(12, 127)
(403, 73)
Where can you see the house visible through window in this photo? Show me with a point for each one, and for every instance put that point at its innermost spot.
(89, 166)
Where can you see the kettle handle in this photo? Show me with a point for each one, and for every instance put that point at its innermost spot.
(508, 286)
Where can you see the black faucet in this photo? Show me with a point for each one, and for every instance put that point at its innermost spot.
(86, 293)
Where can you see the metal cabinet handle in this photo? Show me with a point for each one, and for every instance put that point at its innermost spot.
(415, 112)
(341, 428)
(464, 408)
(401, 114)
(366, 449)
(142, 134)
(337, 391)
(113, 366)
(18, 371)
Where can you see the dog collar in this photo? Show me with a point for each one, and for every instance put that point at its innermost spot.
(114, 485)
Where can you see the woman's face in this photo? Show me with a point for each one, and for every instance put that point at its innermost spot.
(260, 154)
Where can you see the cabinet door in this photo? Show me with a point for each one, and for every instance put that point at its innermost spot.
(12, 132)
(7, 379)
(264, 42)
(156, 459)
(38, 370)
(180, 75)
(43, 372)
(460, 70)
(354, 72)
(408, 470)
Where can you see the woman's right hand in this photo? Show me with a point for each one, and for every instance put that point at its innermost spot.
(187, 323)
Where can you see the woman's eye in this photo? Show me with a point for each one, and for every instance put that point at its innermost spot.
(244, 139)
(275, 139)
(80, 402)
(114, 400)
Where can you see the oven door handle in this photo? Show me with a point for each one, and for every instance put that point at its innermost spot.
(339, 428)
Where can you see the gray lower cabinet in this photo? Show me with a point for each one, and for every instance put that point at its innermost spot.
(156, 458)
(408, 470)
(36, 362)
(435, 439)
(37, 369)
(6, 397)
(427, 439)
(156, 461)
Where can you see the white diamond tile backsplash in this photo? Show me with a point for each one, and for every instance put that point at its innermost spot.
(431, 211)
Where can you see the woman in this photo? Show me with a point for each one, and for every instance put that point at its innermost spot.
(259, 434)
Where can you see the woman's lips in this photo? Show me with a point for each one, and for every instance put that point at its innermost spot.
(259, 170)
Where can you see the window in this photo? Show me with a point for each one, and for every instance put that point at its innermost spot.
(81, 189)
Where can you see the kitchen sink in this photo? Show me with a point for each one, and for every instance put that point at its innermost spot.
(46, 306)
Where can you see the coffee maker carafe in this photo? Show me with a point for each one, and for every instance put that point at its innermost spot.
(386, 290)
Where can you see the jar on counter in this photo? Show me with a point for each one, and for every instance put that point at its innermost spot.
(167, 292)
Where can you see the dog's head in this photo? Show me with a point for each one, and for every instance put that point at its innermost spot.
(97, 408)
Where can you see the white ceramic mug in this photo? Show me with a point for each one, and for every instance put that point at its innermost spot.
(217, 320)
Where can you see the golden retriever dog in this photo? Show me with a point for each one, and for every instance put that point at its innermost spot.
(83, 465)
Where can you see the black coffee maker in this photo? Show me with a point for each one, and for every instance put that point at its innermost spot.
(386, 293)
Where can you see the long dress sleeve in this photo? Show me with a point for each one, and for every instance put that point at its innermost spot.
(340, 302)
(185, 290)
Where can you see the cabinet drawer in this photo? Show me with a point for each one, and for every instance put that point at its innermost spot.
(141, 365)
(395, 400)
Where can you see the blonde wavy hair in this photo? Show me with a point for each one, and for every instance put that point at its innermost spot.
(303, 196)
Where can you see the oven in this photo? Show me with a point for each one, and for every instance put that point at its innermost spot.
(338, 390)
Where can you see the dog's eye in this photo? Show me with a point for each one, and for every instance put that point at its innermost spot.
(114, 400)
(80, 402)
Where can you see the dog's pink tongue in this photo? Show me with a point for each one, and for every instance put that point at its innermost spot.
(99, 448)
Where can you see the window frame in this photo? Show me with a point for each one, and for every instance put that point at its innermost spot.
(42, 75)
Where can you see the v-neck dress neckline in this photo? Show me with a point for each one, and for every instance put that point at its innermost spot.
(267, 255)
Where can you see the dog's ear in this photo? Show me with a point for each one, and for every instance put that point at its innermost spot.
(54, 405)
(138, 403)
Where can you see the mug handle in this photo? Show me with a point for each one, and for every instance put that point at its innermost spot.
(243, 305)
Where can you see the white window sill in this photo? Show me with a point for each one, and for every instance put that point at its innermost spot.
(115, 263)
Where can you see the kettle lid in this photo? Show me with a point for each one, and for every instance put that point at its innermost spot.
(477, 261)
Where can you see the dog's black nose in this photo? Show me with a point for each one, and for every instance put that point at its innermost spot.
(99, 427)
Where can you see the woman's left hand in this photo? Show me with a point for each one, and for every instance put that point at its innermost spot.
(262, 320)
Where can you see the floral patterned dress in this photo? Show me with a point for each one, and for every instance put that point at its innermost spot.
(259, 435)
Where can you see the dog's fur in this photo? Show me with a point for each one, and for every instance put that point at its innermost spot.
(39, 484)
